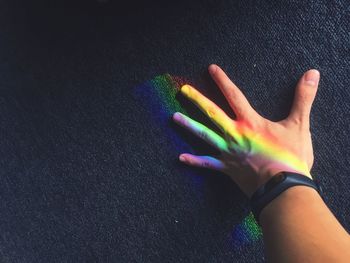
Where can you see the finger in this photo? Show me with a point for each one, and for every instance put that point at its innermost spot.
(217, 115)
(202, 161)
(201, 131)
(232, 93)
(305, 93)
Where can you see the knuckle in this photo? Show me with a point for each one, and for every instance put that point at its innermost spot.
(295, 121)
(231, 92)
(203, 135)
(206, 164)
(211, 112)
(301, 123)
(253, 123)
(299, 120)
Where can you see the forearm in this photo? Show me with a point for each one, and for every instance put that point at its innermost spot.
(299, 227)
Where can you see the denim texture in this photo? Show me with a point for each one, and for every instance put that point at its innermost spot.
(88, 174)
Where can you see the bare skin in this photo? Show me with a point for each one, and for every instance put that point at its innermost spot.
(297, 225)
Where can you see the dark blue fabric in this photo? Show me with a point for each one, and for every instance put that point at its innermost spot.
(88, 174)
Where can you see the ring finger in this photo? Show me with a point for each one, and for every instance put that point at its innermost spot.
(201, 131)
(215, 113)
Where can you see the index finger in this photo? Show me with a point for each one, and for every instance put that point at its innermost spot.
(209, 108)
(233, 94)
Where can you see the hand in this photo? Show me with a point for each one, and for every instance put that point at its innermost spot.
(252, 148)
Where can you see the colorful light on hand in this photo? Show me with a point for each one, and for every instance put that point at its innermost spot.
(158, 97)
(259, 148)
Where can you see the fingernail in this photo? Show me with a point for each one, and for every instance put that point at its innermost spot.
(212, 68)
(185, 89)
(177, 116)
(182, 158)
(311, 77)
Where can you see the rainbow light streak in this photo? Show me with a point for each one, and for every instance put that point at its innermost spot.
(158, 98)
(166, 87)
(260, 146)
(246, 232)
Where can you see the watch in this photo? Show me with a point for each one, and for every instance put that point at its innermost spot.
(275, 186)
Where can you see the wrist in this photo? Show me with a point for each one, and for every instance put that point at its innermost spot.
(294, 199)
(272, 169)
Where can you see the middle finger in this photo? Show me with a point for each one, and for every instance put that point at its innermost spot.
(201, 131)
(209, 108)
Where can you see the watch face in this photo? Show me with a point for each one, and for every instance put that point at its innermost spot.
(274, 181)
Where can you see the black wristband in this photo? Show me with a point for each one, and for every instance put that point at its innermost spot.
(275, 186)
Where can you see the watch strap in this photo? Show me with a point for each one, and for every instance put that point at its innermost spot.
(275, 186)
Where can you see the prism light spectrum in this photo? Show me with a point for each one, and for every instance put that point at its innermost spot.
(158, 98)
(261, 147)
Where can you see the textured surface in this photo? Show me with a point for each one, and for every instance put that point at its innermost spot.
(88, 155)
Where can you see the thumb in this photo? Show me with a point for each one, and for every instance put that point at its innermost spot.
(304, 96)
